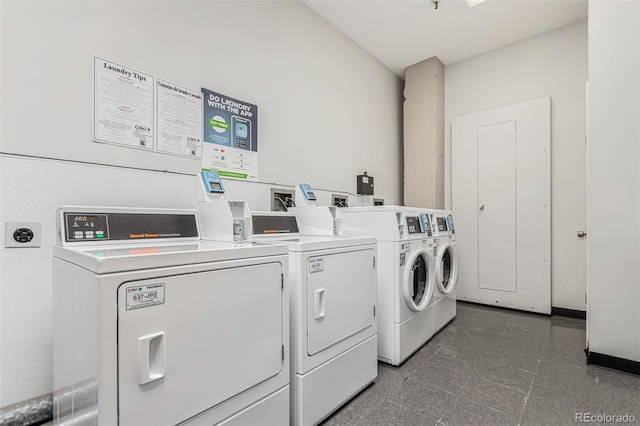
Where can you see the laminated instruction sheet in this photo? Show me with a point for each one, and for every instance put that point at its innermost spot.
(123, 105)
(138, 110)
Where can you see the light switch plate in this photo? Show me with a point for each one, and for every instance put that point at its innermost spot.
(11, 227)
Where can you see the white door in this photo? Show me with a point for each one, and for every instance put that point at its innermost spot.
(341, 290)
(211, 336)
(497, 210)
(501, 200)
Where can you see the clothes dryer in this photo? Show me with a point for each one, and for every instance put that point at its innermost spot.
(406, 276)
(333, 314)
(154, 327)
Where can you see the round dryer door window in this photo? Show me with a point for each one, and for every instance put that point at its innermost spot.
(419, 280)
(447, 273)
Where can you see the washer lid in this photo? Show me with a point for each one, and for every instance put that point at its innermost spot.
(129, 257)
(303, 243)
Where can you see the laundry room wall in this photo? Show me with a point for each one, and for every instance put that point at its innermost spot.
(327, 112)
(551, 64)
(613, 313)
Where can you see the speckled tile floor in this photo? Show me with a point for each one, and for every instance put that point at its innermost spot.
(495, 367)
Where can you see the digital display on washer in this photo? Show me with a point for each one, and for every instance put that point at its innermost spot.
(442, 224)
(413, 224)
(82, 227)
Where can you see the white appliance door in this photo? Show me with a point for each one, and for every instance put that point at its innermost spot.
(209, 336)
(447, 269)
(340, 297)
(418, 280)
(501, 198)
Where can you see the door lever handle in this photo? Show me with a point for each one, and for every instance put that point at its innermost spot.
(482, 208)
(151, 358)
(320, 304)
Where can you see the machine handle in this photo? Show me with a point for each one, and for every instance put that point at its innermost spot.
(151, 358)
(319, 304)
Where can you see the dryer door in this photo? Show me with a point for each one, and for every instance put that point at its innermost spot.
(418, 280)
(447, 268)
(189, 342)
(341, 290)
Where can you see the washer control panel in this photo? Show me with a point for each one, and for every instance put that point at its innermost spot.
(93, 225)
(442, 224)
(86, 227)
(413, 225)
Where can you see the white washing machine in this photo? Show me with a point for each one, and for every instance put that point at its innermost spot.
(406, 276)
(333, 315)
(154, 327)
(446, 262)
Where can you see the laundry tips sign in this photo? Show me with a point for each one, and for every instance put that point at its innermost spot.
(230, 136)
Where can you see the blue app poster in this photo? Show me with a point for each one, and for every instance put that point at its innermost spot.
(230, 133)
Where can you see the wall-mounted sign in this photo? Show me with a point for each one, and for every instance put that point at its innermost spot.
(178, 115)
(230, 133)
(141, 111)
(123, 105)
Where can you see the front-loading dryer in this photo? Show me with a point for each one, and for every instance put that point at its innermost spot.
(446, 263)
(333, 314)
(154, 327)
(406, 276)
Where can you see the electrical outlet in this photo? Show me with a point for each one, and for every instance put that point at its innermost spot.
(22, 234)
(339, 200)
(281, 199)
(378, 202)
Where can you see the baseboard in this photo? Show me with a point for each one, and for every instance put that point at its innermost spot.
(32, 412)
(503, 308)
(613, 362)
(570, 313)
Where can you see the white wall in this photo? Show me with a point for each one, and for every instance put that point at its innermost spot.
(327, 109)
(327, 112)
(551, 64)
(613, 313)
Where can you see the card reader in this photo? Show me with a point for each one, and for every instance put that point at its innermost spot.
(212, 182)
(307, 191)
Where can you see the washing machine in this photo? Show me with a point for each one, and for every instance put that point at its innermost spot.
(446, 265)
(333, 314)
(153, 326)
(406, 276)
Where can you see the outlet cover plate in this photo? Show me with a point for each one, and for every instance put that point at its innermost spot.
(11, 227)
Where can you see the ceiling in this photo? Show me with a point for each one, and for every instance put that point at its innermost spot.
(400, 33)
